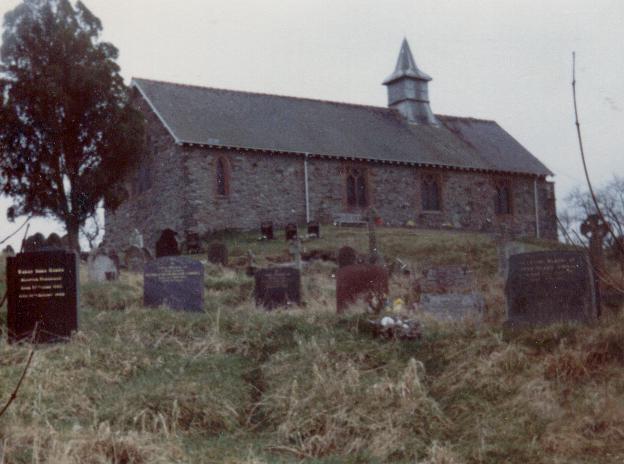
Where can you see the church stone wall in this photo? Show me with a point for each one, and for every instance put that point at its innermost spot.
(162, 201)
(182, 194)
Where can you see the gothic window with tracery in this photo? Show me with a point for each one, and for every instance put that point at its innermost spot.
(357, 188)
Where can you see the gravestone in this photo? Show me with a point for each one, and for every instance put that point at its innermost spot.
(112, 254)
(447, 279)
(291, 231)
(357, 280)
(373, 250)
(167, 245)
(193, 243)
(136, 239)
(218, 253)
(448, 293)
(8, 251)
(294, 248)
(506, 250)
(266, 230)
(53, 242)
(33, 243)
(277, 286)
(595, 229)
(453, 306)
(548, 287)
(314, 229)
(42, 296)
(101, 268)
(346, 256)
(134, 258)
(174, 281)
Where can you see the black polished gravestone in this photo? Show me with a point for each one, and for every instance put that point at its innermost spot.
(277, 286)
(547, 287)
(167, 244)
(42, 296)
(174, 281)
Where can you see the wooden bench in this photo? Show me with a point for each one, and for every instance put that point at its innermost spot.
(349, 219)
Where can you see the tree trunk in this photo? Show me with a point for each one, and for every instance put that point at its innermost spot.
(73, 234)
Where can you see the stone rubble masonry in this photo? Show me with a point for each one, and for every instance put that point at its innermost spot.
(270, 187)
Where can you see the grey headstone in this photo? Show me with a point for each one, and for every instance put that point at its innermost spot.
(447, 279)
(174, 281)
(548, 287)
(453, 306)
(8, 251)
(134, 258)
(101, 268)
(277, 286)
(508, 249)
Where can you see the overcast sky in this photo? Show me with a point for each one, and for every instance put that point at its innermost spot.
(507, 60)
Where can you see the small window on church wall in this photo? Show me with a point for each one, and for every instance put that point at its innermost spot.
(430, 193)
(357, 189)
(222, 177)
(502, 198)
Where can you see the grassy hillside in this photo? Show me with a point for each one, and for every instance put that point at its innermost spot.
(238, 385)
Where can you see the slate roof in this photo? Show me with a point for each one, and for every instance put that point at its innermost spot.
(226, 118)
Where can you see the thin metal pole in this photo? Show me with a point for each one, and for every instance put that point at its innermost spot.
(537, 222)
(307, 193)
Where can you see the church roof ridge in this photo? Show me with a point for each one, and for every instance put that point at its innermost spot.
(263, 94)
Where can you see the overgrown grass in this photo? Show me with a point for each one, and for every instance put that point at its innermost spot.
(237, 385)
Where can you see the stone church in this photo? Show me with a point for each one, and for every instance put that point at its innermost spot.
(223, 159)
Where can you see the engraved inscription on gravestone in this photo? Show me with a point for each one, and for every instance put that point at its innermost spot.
(550, 286)
(42, 294)
(277, 286)
(174, 281)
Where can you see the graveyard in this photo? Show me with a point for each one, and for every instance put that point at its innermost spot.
(152, 378)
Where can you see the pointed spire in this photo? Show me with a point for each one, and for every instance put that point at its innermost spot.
(408, 90)
(406, 66)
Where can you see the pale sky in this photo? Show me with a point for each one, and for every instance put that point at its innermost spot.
(507, 60)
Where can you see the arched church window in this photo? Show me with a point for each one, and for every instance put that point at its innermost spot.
(222, 177)
(357, 188)
(430, 193)
(502, 198)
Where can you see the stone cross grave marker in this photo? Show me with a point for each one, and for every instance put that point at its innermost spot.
(277, 286)
(42, 295)
(595, 229)
(218, 253)
(550, 286)
(373, 250)
(346, 256)
(291, 231)
(174, 281)
(102, 268)
(368, 280)
(167, 244)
